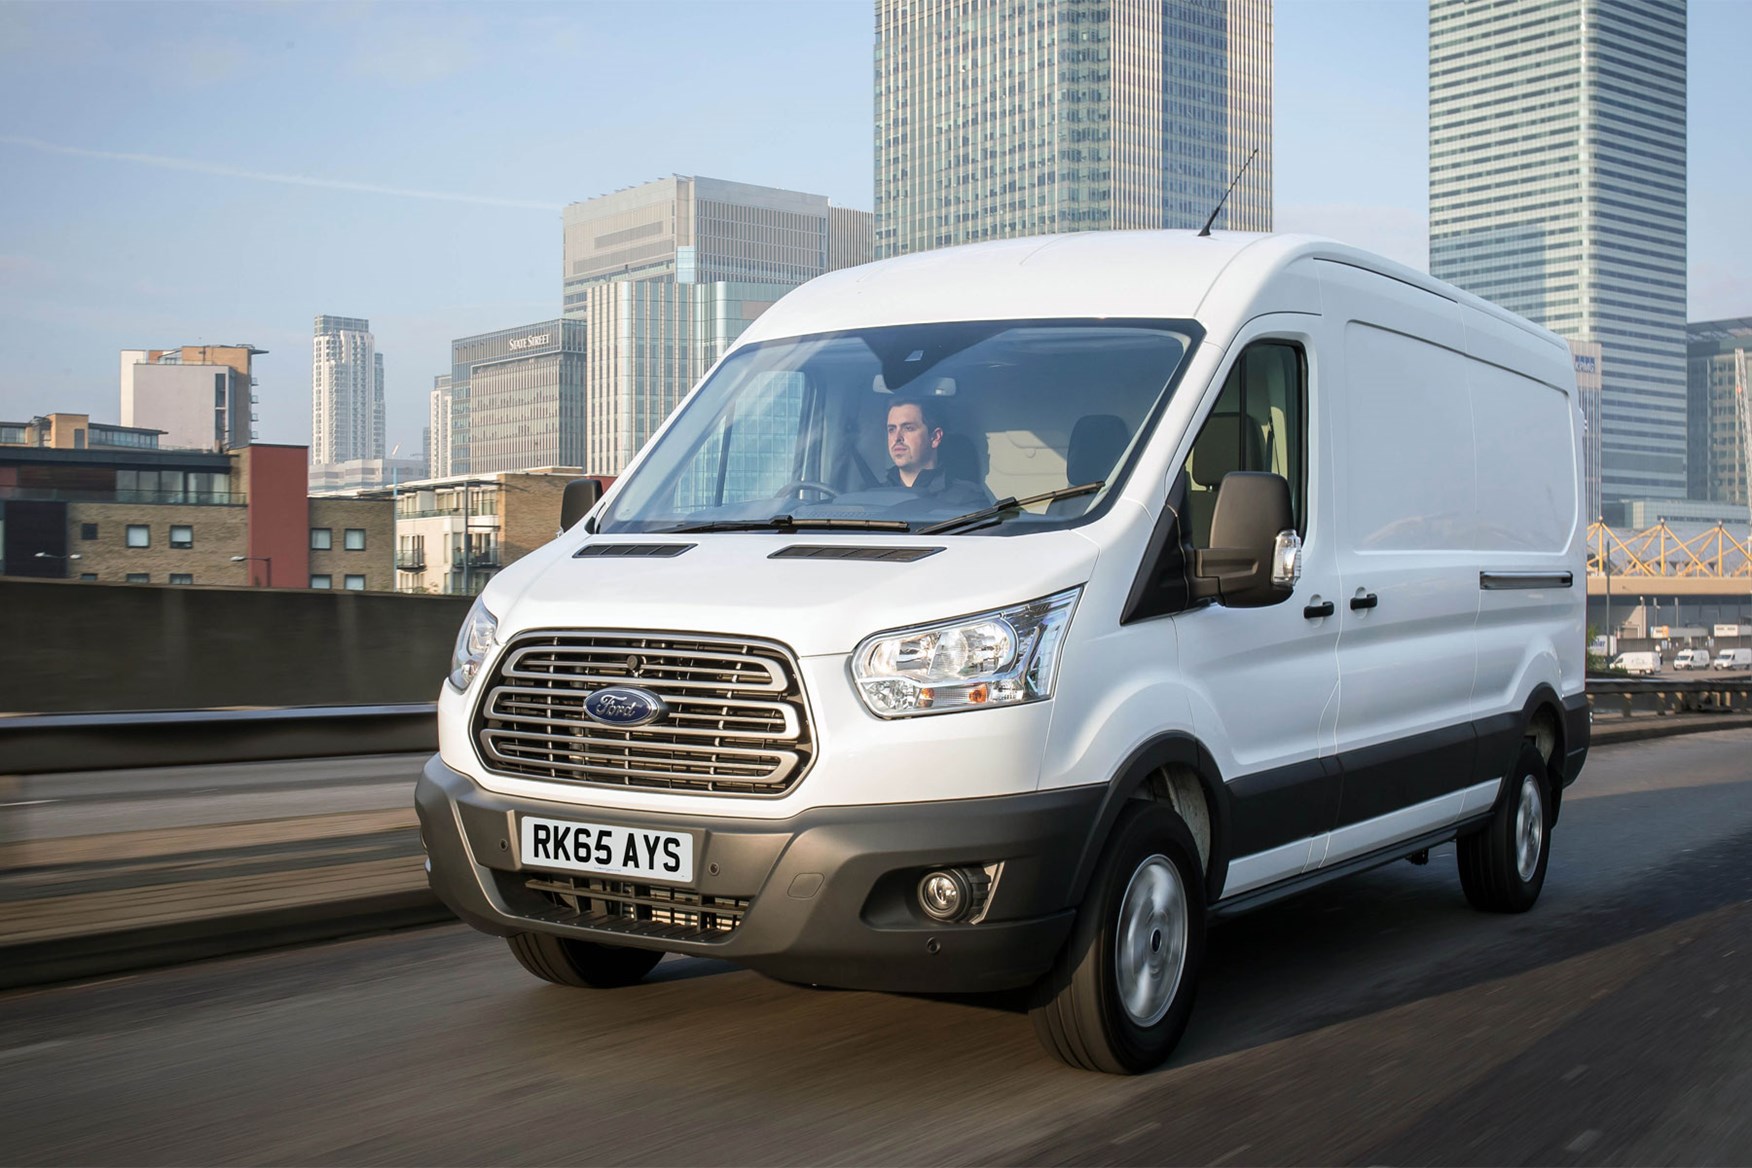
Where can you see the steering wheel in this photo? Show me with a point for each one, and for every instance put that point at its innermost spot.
(796, 485)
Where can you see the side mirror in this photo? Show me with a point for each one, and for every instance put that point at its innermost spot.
(581, 495)
(1255, 555)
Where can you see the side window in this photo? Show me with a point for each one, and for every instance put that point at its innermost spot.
(1259, 423)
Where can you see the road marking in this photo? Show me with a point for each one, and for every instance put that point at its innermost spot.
(1230, 1155)
(27, 803)
(1583, 1142)
(1575, 1073)
(33, 1048)
(1137, 1131)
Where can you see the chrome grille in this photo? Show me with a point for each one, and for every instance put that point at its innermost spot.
(737, 722)
(645, 910)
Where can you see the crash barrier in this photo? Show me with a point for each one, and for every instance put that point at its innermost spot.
(86, 648)
(1626, 697)
(53, 743)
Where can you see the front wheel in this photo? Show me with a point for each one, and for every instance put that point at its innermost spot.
(1502, 868)
(1119, 995)
(564, 961)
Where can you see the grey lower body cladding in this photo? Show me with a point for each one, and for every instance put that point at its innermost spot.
(826, 897)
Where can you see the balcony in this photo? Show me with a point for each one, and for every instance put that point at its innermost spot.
(475, 562)
(410, 562)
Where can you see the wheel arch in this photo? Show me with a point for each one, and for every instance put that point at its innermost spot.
(1151, 771)
(1542, 722)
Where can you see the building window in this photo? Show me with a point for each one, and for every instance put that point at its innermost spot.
(355, 539)
(139, 578)
(182, 535)
(88, 575)
(354, 583)
(139, 535)
(88, 531)
(321, 539)
(182, 578)
(322, 581)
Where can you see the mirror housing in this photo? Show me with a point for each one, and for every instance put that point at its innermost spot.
(1255, 555)
(581, 495)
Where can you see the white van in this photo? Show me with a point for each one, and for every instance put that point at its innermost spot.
(1691, 659)
(1733, 659)
(1638, 662)
(997, 616)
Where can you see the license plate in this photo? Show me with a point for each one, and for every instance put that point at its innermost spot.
(607, 851)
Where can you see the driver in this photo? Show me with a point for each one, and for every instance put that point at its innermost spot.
(915, 432)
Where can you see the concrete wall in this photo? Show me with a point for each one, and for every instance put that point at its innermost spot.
(74, 646)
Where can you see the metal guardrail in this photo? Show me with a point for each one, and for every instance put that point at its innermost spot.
(36, 744)
(1625, 697)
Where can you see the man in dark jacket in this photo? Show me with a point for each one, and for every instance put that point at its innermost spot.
(915, 435)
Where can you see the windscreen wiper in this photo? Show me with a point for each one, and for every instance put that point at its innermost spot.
(792, 523)
(1003, 508)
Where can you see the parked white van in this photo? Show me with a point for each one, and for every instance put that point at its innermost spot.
(1637, 662)
(1691, 659)
(1733, 659)
(996, 616)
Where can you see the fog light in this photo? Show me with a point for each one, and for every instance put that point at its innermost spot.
(944, 895)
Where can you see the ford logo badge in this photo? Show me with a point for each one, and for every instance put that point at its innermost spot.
(622, 705)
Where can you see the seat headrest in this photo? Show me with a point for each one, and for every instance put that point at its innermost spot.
(1220, 449)
(1097, 441)
(958, 459)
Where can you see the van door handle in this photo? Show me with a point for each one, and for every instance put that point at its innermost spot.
(1367, 600)
(1316, 611)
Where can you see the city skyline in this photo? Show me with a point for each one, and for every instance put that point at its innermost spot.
(128, 221)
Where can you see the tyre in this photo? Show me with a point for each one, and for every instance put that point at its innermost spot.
(1502, 868)
(566, 962)
(1119, 995)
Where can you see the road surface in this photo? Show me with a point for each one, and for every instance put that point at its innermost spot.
(1377, 1021)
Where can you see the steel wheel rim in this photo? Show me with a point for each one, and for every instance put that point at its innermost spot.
(1529, 828)
(1150, 942)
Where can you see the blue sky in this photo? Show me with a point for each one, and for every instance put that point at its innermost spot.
(177, 173)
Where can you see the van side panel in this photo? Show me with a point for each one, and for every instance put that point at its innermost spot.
(1406, 507)
(1530, 623)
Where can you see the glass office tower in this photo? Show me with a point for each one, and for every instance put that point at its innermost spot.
(1002, 118)
(665, 275)
(1557, 190)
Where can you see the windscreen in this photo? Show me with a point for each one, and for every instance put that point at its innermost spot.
(908, 425)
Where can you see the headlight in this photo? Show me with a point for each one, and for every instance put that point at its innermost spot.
(478, 635)
(1001, 658)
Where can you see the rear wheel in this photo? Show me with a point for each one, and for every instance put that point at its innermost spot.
(564, 961)
(1119, 995)
(1502, 868)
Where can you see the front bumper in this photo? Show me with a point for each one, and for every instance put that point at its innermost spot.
(826, 896)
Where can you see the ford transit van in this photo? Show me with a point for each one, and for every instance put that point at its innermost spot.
(998, 616)
(1733, 659)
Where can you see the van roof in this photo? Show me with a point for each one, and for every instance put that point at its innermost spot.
(1126, 274)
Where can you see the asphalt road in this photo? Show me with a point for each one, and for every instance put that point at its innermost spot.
(1376, 1021)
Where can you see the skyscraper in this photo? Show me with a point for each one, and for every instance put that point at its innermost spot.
(1000, 118)
(1720, 390)
(346, 392)
(525, 391)
(1557, 190)
(666, 275)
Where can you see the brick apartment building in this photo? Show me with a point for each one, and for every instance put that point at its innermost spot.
(89, 501)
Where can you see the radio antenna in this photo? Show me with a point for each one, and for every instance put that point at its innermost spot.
(1227, 193)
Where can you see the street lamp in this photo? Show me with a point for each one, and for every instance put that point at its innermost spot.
(268, 560)
(53, 556)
